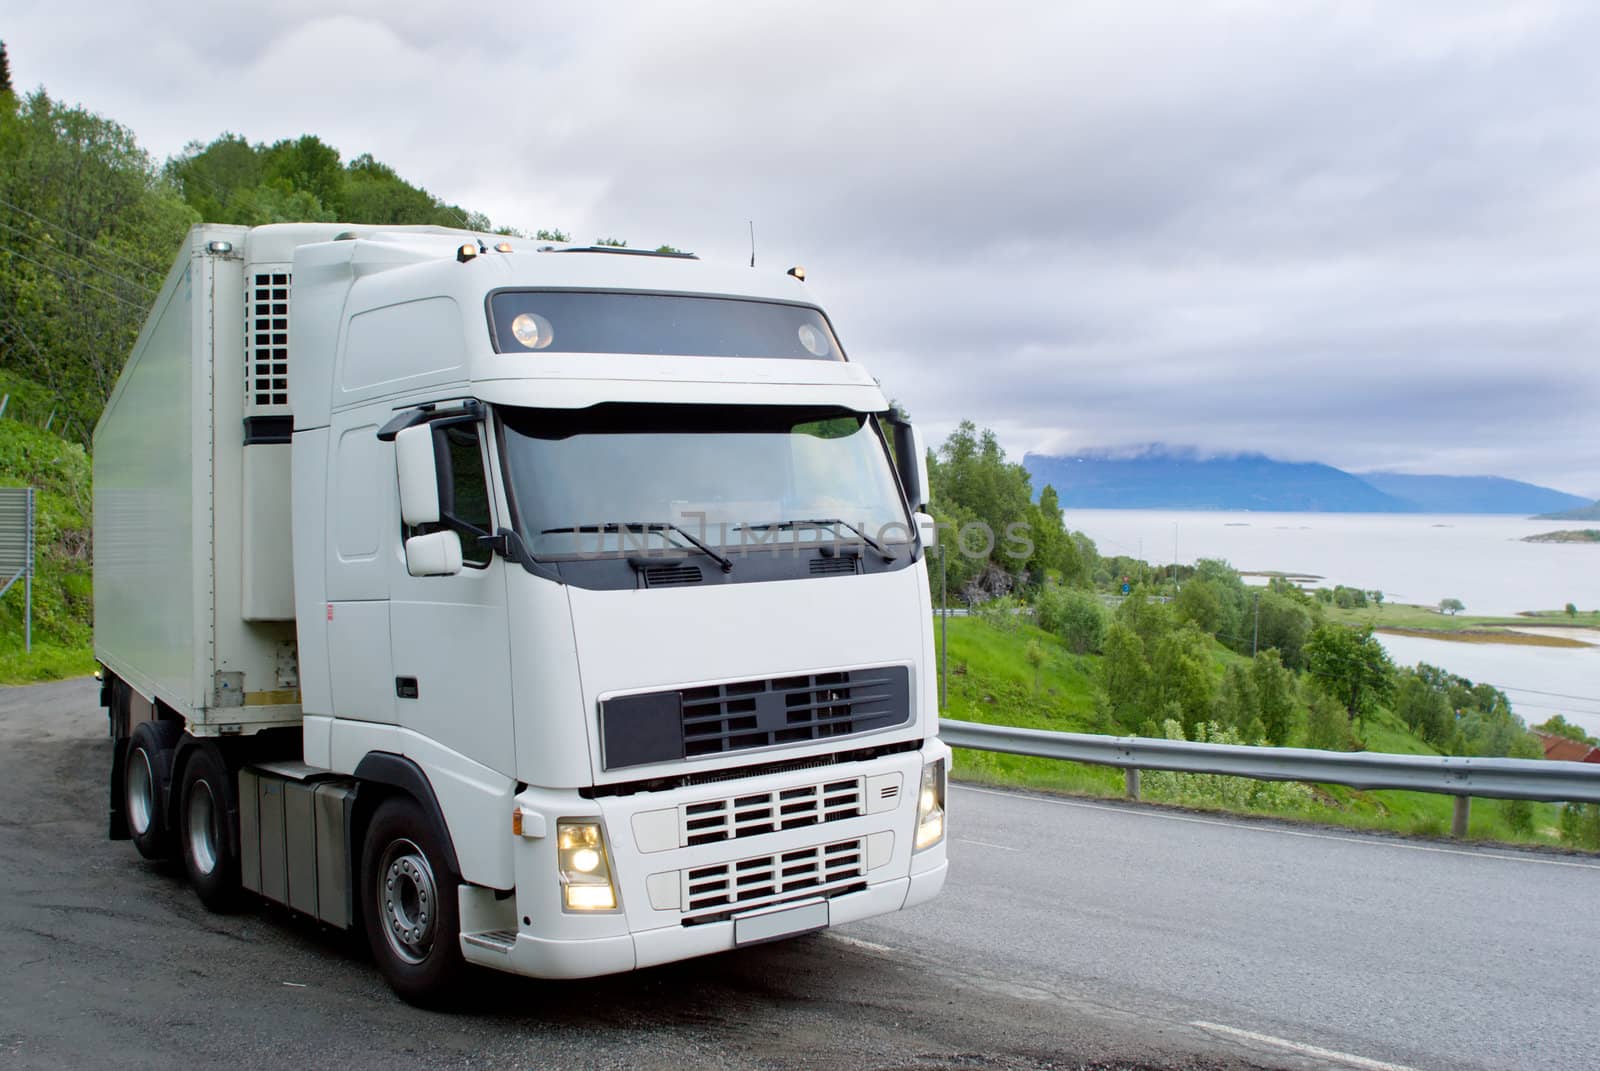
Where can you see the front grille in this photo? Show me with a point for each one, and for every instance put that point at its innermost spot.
(717, 891)
(770, 812)
(743, 715)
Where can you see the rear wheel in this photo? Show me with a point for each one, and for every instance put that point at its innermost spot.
(146, 772)
(411, 905)
(208, 830)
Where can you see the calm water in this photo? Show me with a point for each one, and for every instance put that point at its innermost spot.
(1414, 558)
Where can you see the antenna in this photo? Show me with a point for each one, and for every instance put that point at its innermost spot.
(752, 243)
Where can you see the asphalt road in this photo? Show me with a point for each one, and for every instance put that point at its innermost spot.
(1071, 935)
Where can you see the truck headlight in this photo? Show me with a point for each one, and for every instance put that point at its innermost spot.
(585, 873)
(930, 806)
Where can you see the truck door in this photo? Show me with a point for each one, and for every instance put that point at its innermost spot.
(452, 652)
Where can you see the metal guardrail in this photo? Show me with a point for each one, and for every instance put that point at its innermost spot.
(1461, 777)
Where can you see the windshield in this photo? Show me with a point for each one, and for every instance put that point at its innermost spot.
(618, 478)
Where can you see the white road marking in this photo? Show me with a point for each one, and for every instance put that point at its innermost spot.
(856, 942)
(1301, 1048)
(985, 844)
(1259, 828)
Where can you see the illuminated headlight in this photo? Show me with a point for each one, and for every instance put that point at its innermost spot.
(930, 806)
(585, 873)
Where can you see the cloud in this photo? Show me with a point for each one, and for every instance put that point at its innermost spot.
(1343, 232)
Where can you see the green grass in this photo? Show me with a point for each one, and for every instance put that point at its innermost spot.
(47, 662)
(991, 681)
(1405, 615)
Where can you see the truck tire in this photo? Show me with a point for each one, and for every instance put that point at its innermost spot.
(208, 828)
(146, 774)
(410, 904)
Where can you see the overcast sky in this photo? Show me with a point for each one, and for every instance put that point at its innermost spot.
(1366, 234)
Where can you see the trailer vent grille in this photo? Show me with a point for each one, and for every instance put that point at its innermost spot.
(742, 715)
(266, 340)
(770, 812)
(665, 576)
(832, 566)
(715, 892)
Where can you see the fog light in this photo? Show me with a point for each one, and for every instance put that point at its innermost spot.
(585, 873)
(930, 806)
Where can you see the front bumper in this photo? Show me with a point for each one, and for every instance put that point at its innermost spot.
(681, 890)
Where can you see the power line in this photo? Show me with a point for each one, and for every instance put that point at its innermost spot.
(84, 260)
(69, 277)
(63, 230)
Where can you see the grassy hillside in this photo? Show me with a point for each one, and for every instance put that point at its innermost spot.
(62, 601)
(991, 680)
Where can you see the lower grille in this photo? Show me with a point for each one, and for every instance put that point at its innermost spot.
(771, 812)
(715, 892)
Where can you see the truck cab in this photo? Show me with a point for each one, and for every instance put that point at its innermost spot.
(569, 606)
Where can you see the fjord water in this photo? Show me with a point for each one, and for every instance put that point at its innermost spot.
(1412, 558)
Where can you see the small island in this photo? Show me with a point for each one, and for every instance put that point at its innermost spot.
(1569, 535)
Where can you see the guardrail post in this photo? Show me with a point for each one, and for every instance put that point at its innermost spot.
(1132, 777)
(1458, 823)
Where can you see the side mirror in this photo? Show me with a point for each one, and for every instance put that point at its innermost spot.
(912, 461)
(419, 479)
(925, 491)
(927, 529)
(434, 554)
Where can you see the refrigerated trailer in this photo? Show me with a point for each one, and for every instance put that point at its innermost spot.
(556, 610)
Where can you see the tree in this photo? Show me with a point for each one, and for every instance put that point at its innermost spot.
(6, 88)
(1572, 610)
(1181, 676)
(1556, 725)
(1425, 710)
(1377, 599)
(554, 234)
(611, 243)
(1350, 666)
(1124, 675)
(1282, 622)
(1274, 696)
(1238, 704)
(983, 504)
(1451, 606)
(1076, 616)
(1198, 602)
(1327, 725)
(1035, 656)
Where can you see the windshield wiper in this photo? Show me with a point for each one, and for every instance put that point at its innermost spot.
(649, 526)
(829, 523)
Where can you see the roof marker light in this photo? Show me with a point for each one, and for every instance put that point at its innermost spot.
(502, 247)
(219, 247)
(467, 251)
(798, 272)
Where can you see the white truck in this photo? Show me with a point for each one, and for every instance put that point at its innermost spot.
(558, 610)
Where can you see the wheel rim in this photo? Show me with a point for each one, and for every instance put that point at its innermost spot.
(201, 828)
(141, 792)
(407, 900)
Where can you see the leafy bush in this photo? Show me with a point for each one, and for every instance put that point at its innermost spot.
(1076, 616)
(1217, 790)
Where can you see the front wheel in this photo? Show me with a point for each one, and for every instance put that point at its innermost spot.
(411, 904)
(208, 833)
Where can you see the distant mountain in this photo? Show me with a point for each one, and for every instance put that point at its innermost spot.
(1471, 494)
(1582, 513)
(1162, 477)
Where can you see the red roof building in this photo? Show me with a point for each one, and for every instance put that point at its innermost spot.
(1562, 749)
